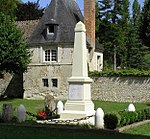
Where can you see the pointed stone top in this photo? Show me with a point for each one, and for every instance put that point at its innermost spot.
(80, 27)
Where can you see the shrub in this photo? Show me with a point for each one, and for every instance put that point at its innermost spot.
(147, 113)
(111, 120)
(140, 116)
(122, 118)
(133, 116)
(143, 115)
(127, 117)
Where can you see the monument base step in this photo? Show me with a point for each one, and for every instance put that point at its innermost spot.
(81, 116)
(83, 106)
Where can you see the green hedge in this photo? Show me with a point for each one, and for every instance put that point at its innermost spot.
(131, 72)
(122, 118)
(128, 118)
(111, 120)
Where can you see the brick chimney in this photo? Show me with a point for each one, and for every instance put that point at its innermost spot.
(89, 21)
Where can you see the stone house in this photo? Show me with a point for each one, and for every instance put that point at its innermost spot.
(51, 41)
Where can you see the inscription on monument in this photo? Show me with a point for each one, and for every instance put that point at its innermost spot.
(75, 91)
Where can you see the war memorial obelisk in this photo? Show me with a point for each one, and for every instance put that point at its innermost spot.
(79, 102)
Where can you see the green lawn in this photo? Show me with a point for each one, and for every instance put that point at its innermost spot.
(118, 106)
(30, 105)
(8, 131)
(34, 105)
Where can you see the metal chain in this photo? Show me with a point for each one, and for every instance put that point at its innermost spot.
(62, 121)
(70, 121)
(31, 114)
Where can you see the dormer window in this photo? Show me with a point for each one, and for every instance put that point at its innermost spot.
(50, 29)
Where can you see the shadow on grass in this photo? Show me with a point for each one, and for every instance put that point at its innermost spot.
(10, 98)
(42, 132)
(6, 99)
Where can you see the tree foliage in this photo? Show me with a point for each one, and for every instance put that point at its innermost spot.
(8, 7)
(14, 55)
(29, 11)
(118, 34)
(113, 17)
(136, 13)
(144, 29)
(136, 50)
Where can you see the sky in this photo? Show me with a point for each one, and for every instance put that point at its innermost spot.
(44, 3)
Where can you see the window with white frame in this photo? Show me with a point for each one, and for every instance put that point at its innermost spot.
(50, 55)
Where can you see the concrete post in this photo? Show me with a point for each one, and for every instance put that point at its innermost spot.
(131, 107)
(60, 107)
(21, 113)
(99, 118)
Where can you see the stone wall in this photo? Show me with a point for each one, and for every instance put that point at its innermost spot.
(123, 89)
(33, 84)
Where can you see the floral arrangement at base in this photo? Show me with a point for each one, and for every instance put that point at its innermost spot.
(41, 115)
(46, 115)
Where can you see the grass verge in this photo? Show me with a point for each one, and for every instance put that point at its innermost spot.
(140, 130)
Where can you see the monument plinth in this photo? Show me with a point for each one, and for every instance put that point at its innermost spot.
(79, 102)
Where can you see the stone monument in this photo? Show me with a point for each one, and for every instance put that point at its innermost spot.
(79, 102)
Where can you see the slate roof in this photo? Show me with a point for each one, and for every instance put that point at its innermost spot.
(62, 13)
(27, 27)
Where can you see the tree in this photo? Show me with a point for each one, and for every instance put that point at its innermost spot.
(135, 49)
(123, 11)
(118, 34)
(113, 17)
(8, 7)
(144, 27)
(29, 11)
(136, 13)
(14, 55)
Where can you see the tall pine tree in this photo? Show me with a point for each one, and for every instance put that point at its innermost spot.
(135, 49)
(144, 29)
(136, 11)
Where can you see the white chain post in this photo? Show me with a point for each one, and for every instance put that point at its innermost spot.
(60, 107)
(99, 118)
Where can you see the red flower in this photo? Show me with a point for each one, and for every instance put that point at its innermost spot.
(41, 113)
